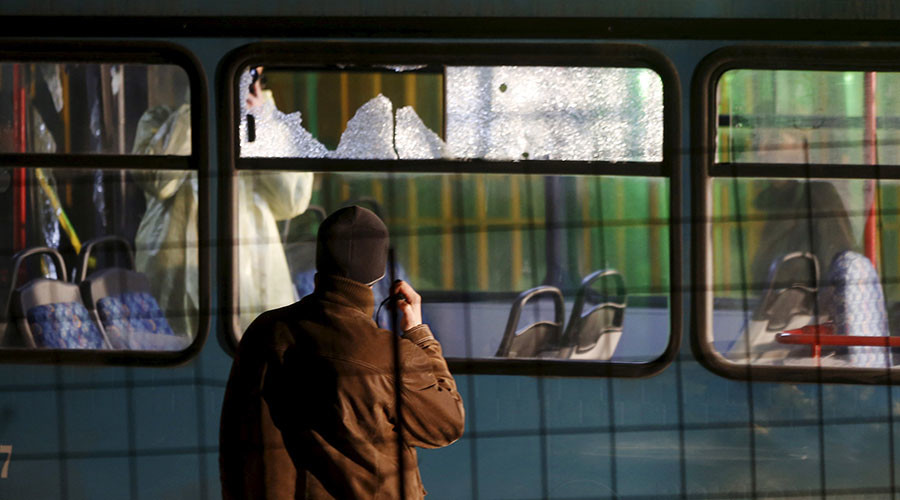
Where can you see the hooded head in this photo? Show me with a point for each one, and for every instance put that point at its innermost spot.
(352, 243)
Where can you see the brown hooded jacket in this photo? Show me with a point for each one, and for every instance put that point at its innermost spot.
(312, 408)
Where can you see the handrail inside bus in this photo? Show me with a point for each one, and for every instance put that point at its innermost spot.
(825, 335)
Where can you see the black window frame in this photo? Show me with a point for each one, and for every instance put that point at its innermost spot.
(369, 52)
(704, 117)
(126, 52)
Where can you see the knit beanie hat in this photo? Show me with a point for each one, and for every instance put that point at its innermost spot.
(352, 243)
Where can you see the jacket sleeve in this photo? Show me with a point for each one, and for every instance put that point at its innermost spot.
(433, 413)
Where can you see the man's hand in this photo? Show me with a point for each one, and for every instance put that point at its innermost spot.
(409, 303)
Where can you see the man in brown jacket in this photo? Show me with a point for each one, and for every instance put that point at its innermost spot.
(321, 402)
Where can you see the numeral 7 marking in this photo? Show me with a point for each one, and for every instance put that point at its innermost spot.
(5, 448)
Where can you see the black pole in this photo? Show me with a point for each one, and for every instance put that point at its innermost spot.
(555, 234)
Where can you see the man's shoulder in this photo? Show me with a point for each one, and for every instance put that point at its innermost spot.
(267, 318)
(269, 324)
(356, 339)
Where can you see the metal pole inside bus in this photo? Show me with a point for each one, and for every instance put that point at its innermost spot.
(870, 157)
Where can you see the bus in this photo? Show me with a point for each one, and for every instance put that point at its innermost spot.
(656, 241)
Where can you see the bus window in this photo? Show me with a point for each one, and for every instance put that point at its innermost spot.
(76, 107)
(470, 243)
(100, 255)
(471, 112)
(800, 274)
(555, 264)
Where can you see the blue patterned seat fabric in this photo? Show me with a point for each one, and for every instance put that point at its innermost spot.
(131, 312)
(65, 325)
(855, 302)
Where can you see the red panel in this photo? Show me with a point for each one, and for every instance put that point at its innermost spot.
(19, 188)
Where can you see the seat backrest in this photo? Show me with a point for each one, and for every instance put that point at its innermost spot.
(853, 298)
(788, 301)
(50, 313)
(540, 339)
(121, 301)
(598, 316)
(126, 308)
(792, 286)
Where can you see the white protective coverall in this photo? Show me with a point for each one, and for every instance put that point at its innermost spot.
(167, 240)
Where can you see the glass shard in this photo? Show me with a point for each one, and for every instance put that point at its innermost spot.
(275, 134)
(414, 140)
(370, 133)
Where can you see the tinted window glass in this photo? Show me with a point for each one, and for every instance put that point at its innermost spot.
(98, 256)
(87, 107)
(128, 244)
(782, 116)
(470, 243)
(798, 268)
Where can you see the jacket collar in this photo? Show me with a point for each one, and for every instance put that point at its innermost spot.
(346, 292)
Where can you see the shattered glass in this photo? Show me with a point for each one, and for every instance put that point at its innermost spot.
(496, 113)
(277, 134)
(517, 113)
(403, 68)
(414, 140)
(370, 133)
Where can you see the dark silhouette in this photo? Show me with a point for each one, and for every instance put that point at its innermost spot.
(321, 403)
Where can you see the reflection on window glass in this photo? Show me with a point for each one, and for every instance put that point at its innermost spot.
(91, 108)
(797, 259)
(787, 116)
(98, 260)
(471, 244)
(497, 113)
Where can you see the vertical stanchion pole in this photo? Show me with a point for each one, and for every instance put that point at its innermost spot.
(870, 156)
(21, 138)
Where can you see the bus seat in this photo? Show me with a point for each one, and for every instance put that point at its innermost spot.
(789, 301)
(50, 312)
(790, 293)
(120, 301)
(540, 339)
(597, 319)
(853, 297)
